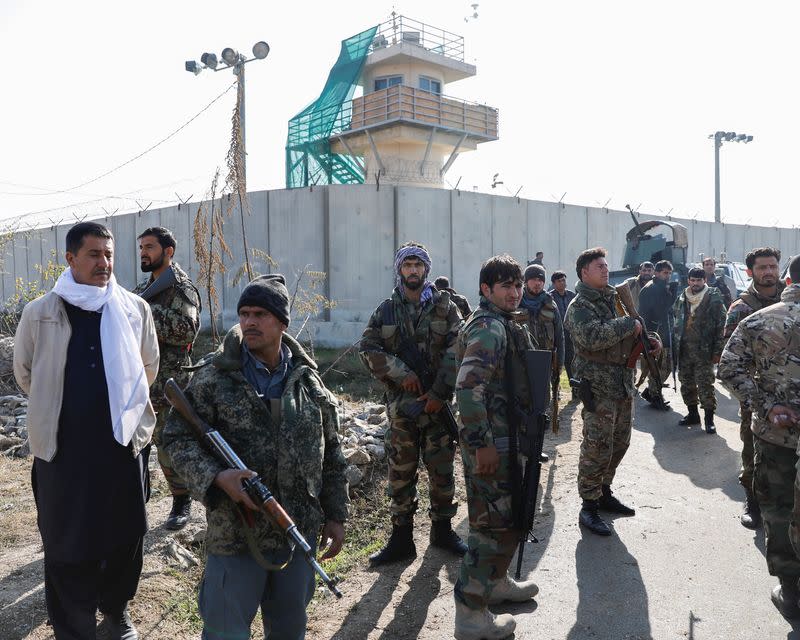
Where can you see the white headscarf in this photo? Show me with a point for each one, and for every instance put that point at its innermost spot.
(120, 339)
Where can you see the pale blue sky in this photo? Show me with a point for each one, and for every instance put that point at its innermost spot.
(606, 101)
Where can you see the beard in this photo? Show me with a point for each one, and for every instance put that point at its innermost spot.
(413, 285)
(147, 267)
(645, 278)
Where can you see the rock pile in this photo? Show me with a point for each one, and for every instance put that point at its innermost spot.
(13, 426)
(362, 428)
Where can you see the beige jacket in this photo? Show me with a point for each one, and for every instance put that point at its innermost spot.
(40, 356)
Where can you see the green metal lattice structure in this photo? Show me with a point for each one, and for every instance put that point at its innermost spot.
(309, 159)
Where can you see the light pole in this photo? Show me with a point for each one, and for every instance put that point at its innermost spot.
(720, 137)
(234, 60)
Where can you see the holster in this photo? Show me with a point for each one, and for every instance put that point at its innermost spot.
(585, 393)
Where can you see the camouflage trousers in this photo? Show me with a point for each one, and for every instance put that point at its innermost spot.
(176, 485)
(774, 485)
(606, 437)
(697, 379)
(492, 538)
(664, 362)
(405, 440)
(747, 437)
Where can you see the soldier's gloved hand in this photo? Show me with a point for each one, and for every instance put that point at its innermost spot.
(487, 460)
(783, 416)
(411, 383)
(230, 481)
(331, 539)
(432, 405)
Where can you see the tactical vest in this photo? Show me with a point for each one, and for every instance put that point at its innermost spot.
(392, 333)
(517, 343)
(619, 353)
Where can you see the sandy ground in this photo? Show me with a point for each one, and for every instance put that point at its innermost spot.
(683, 567)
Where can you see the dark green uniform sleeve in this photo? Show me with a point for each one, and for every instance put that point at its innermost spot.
(594, 333)
(190, 460)
(445, 381)
(484, 345)
(333, 497)
(382, 365)
(718, 315)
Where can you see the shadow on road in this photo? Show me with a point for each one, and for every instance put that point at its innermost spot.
(411, 611)
(612, 599)
(24, 613)
(705, 459)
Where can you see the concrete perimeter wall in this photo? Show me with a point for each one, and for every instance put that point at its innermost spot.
(351, 232)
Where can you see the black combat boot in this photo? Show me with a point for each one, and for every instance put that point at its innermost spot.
(751, 518)
(784, 597)
(590, 519)
(608, 502)
(443, 537)
(117, 626)
(646, 395)
(400, 547)
(710, 428)
(179, 515)
(693, 417)
(543, 457)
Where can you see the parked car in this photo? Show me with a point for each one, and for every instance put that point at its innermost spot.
(735, 275)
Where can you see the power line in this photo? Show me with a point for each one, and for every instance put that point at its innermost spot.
(127, 162)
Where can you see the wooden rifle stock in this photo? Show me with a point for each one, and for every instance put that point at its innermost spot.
(254, 486)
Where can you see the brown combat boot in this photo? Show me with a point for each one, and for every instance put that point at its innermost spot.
(482, 624)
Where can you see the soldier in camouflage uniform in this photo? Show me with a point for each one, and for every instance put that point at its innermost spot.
(604, 338)
(443, 284)
(637, 283)
(176, 314)
(761, 367)
(765, 290)
(262, 392)
(699, 325)
(544, 321)
(491, 348)
(710, 267)
(415, 329)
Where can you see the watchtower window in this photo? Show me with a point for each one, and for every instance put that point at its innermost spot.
(387, 81)
(429, 84)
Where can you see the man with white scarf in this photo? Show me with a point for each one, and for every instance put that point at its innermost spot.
(86, 354)
(699, 326)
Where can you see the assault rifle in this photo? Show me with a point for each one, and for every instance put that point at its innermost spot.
(255, 488)
(415, 361)
(530, 440)
(166, 280)
(554, 383)
(643, 347)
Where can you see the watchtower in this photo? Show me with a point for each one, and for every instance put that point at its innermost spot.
(403, 129)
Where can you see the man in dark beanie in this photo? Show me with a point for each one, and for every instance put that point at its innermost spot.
(262, 392)
(443, 284)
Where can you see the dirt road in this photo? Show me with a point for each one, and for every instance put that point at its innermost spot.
(683, 567)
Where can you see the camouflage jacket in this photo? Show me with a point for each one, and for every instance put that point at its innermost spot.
(703, 332)
(299, 460)
(176, 314)
(546, 325)
(481, 382)
(720, 285)
(748, 302)
(603, 337)
(433, 333)
(462, 303)
(761, 365)
(636, 287)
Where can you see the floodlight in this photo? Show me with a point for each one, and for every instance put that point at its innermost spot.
(210, 60)
(230, 56)
(191, 65)
(261, 50)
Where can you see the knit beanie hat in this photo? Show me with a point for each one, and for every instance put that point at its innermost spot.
(534, 271)
(268, 292)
